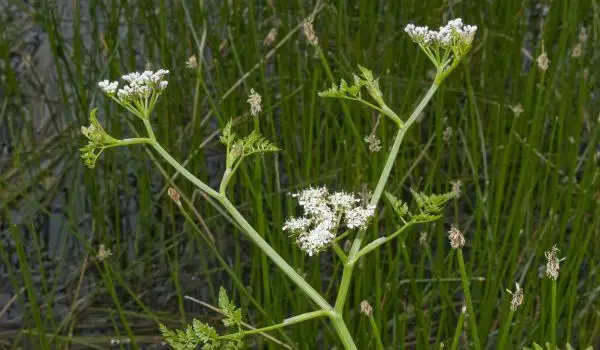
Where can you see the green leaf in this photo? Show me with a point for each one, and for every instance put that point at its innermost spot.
(193, 335)
(233, 315)
(400, 207)
(366, 73)
(254, 143)
(227, 136)
(345, 90)
(432, 203)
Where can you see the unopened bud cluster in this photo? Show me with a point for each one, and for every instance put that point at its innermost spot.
(323, 212)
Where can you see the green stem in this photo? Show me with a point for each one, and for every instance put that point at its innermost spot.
(390, 113)
(379, 241)
(271, 253)
(505, 330)
(287, 322)
(376, 333)
(225, 180)
(340, 253)
(349, 266)
(467, 291)
(553, 317)
(338, 323)
(193, 179)
(128, 142)
(459, 325)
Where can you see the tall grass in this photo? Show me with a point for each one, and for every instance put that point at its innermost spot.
(529, 181)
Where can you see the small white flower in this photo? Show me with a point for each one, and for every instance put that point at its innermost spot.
(296, 224)
(359, 216)
(141, 85)
(322, 212)
(453, 34)
(108, 87)
(342, 200)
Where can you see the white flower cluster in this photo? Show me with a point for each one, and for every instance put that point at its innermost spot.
(452, 34)
(141, 85)
(322, 214)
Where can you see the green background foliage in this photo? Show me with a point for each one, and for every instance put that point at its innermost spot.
(530, 180)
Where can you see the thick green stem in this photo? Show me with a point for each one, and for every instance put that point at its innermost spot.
(349, 266)
(275, 257)
(467, 291)
(340, 327)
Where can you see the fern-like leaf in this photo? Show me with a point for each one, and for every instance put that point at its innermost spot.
(233, 315)
(227, 136)
(400, 207)
(254, 143)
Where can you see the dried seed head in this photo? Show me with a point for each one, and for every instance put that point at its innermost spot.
(174, 195)
(254, 100)
(191, 62)
(366, 308)
(517, 109)
(365, 193)
(517, 297)
(456, 187)
(423, 238)
(543, 62)
(103, 252)
(553, 264)
(447, 134)
(309, 31)
(457, 239)
(577, 50)
(270, 38)
(373, 142)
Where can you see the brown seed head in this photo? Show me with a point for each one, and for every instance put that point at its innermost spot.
(174, 195)
(457, 239)
(366, 308)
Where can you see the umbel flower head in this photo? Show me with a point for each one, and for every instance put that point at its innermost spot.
(140, 93)
(445, 46)
(323, 212)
